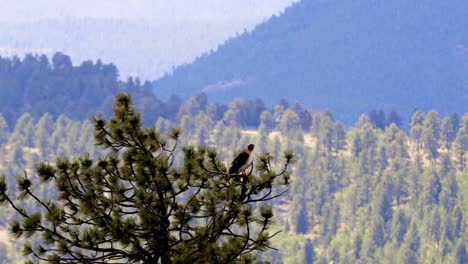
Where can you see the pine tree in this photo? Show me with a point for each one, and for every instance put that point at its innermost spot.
(461, 253)
(356, 145)
(266, 122)
(458, 224)
(57, 140)
(377, 118)
(409, 251)
(461, 147)
(339, 137)
(3, 129)
(393, 118)
(309, 253)
(416, 128)
(134, 206)
(24, 129)
(42, 133)
(382, 203)
(431, 135)
(448, 196)
(399, 227)
(431, 188)
(448, 130)
(302, 222)
(289, 122)
(434, 225)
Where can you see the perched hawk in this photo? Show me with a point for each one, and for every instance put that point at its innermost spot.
(242, 161)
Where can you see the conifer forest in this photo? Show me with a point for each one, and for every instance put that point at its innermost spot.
(379, 191)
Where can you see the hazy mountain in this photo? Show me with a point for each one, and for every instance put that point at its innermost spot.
(144, 38)
(349, 56)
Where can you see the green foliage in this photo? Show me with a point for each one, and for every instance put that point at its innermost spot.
(289, 122)
(448, 129)
(375, 197)
(38, 85)
(3, 129)
(431, 135)
(133, 205)
(461, 144)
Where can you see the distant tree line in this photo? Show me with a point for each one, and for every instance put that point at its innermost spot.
(39, 85)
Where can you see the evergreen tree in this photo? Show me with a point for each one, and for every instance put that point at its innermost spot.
(173, 105)
(374, 238)
(289, 122)
(461, 147)
(445, 165)
(302, 222)
(416, 128)
(433, 226)
(461, 253)
(396, 141)
(431, 135)
(276, 147)
(133, 206)
(338, 138)
(325, 134)
(399, 227)
(458, 224)
(448, 130)
(85, 139)
(407, 256)
(58, 139)
(410, 249)
(266, 122)
(362, 120)
(368, 157)
(3, 129)
(356, 145)
(449, 194)
(42, 133)
(195, 105)
(393, 118)
(235, 116)
(431, 188)
(377, 119)
(382, 159)
(309, 253)
(23, 132)
(382, 203)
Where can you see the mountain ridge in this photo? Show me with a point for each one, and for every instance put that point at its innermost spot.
(347, 56)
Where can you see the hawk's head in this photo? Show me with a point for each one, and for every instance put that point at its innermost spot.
(251, 147)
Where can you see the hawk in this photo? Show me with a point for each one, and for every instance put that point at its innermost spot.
(242, 161)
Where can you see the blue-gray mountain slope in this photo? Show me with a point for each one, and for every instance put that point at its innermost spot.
(350, 56)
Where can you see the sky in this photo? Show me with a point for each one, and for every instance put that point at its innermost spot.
(242, 11)
(178, 30)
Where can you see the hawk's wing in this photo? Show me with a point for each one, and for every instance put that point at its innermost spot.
(240, 160)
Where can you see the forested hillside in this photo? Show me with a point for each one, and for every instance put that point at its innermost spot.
(370, 193)
(39, 85)
(348, 56)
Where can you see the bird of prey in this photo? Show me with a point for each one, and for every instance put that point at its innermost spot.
(242, 161)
